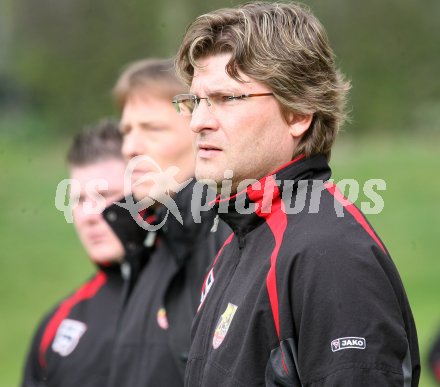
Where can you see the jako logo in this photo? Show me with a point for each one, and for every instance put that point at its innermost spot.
(348, 342)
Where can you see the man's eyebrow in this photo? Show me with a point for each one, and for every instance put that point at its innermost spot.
(151, 124)
(143, 124)
(124, 126)
(223, 91)
(108, 192)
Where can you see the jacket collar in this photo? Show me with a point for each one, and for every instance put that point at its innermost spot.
(110, 268)
(247, 209)
(131, 235)
(179, 237)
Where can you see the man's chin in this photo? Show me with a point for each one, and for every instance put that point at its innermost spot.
(209, 177)
(151, 198)
(140, 193)
(104, 259)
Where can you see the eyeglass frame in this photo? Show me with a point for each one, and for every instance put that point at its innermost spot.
(220, 98)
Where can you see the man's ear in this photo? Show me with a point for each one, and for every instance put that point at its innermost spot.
(298, 124)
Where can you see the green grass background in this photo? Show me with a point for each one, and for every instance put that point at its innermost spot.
(41, 259)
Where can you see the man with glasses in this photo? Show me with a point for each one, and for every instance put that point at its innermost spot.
(304, 292)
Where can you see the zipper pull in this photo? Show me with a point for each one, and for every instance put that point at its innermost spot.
(150, 239)
(215, 224)
(125, 271)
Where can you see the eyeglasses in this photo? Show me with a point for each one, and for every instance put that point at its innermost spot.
(186, 104)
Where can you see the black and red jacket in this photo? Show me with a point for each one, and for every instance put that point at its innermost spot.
(434, 358)
(73, 343)
(139, 318)
(161, 295)
(303, 293)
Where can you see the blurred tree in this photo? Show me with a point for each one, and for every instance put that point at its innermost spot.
(68, 53)
(5, 33)
(391, 52)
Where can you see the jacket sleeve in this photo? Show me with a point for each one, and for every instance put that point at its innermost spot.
(33, 373)
(434, 358)
(341, 315)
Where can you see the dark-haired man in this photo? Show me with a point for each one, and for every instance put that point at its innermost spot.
(72, 345)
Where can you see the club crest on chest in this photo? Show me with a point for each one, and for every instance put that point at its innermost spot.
(223, 325)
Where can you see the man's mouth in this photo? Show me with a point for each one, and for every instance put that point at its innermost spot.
(207, 151)
(140, 173)
(96, 237)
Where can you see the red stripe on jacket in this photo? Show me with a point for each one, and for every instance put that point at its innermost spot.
(273, 211)
(353, 210)
(88, 290)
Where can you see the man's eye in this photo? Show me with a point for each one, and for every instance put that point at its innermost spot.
(226, 98)
(151, 128)
(124, 130)
(81, 200)
(74, 198)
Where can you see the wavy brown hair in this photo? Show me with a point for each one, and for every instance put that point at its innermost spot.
(283, 46)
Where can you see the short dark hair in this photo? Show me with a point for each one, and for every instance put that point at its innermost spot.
(95, 143)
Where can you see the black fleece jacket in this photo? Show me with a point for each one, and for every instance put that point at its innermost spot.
(303, 293)
(162, 292)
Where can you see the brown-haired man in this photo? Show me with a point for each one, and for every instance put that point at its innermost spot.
(72, 345)
(163, 283)
(298, 296)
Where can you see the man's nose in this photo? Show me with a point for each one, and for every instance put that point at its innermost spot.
(89, 212)
(203, 118)
(132, 145)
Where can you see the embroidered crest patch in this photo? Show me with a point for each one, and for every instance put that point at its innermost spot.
(162, 319)
(348, 342)
(223, 325)
(67, 337)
